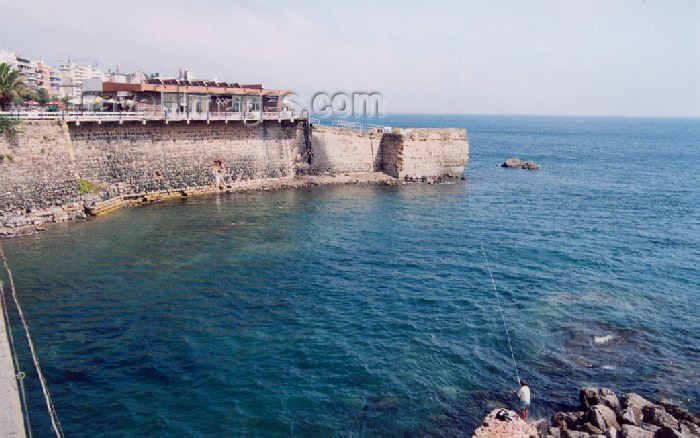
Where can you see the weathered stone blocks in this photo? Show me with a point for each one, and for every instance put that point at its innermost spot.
(58, 171)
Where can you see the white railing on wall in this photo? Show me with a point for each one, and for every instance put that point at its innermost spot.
(89, 116)
(359, 126)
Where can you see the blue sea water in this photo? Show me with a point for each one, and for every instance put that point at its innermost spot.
(368, 311)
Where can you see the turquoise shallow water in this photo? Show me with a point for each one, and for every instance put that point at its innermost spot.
(368, 311)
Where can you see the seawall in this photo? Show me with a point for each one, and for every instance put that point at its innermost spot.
(55, 171)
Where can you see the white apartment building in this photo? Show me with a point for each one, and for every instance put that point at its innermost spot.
(7, 57)
(72, 77)
(37, 74)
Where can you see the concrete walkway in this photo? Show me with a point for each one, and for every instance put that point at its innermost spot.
(11, 418)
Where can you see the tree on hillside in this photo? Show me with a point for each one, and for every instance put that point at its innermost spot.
(11, 85)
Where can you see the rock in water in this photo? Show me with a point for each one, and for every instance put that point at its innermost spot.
(513, 162)
(530, 165)
(516, 162)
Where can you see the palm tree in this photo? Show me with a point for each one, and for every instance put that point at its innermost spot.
(11, 85)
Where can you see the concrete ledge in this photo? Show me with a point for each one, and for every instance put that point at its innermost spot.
(11, 417)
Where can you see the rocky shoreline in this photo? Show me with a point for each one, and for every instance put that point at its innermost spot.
(24, 223)
(600, 414)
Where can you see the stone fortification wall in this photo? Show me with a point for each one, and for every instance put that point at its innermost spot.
(425, 152)
(37, 175)
(339, 150)
(138, 158)
(56, 171)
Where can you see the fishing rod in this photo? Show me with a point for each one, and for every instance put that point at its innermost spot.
(500, 306)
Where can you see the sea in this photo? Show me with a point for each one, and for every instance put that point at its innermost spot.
(363, 311)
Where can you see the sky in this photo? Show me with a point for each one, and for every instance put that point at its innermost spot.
(540, 57)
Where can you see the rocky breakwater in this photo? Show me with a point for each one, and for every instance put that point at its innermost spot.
(602, 414)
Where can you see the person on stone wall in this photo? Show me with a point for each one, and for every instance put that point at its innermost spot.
(523, 395)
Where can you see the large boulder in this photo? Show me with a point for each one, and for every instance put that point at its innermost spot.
(632, 399)
(678, 412)
(530, 165)
(575, 434)
(542, 427)
(689, 429)
(658, 416)
(667, 432)
(516, 162)
(569, 420)
(498, 425)
(633, 416)
(632, 405)
(602, 417)
(593, 430)
(513, 162)
(598, 396)
(629, 431)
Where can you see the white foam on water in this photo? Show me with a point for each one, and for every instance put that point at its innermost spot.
(603, 339)
(608, 367)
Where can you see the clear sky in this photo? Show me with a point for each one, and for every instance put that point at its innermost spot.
(558, 57)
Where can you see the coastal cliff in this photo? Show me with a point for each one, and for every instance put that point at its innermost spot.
(55, 171)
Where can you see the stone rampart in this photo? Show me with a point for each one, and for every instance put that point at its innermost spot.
(425, 152)
(339, 150)
(54, 171)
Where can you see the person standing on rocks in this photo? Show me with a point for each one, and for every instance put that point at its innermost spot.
(523, 395)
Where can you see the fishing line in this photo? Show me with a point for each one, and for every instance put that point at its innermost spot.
(500, 306)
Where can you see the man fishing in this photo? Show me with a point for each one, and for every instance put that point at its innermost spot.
(523, 395)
